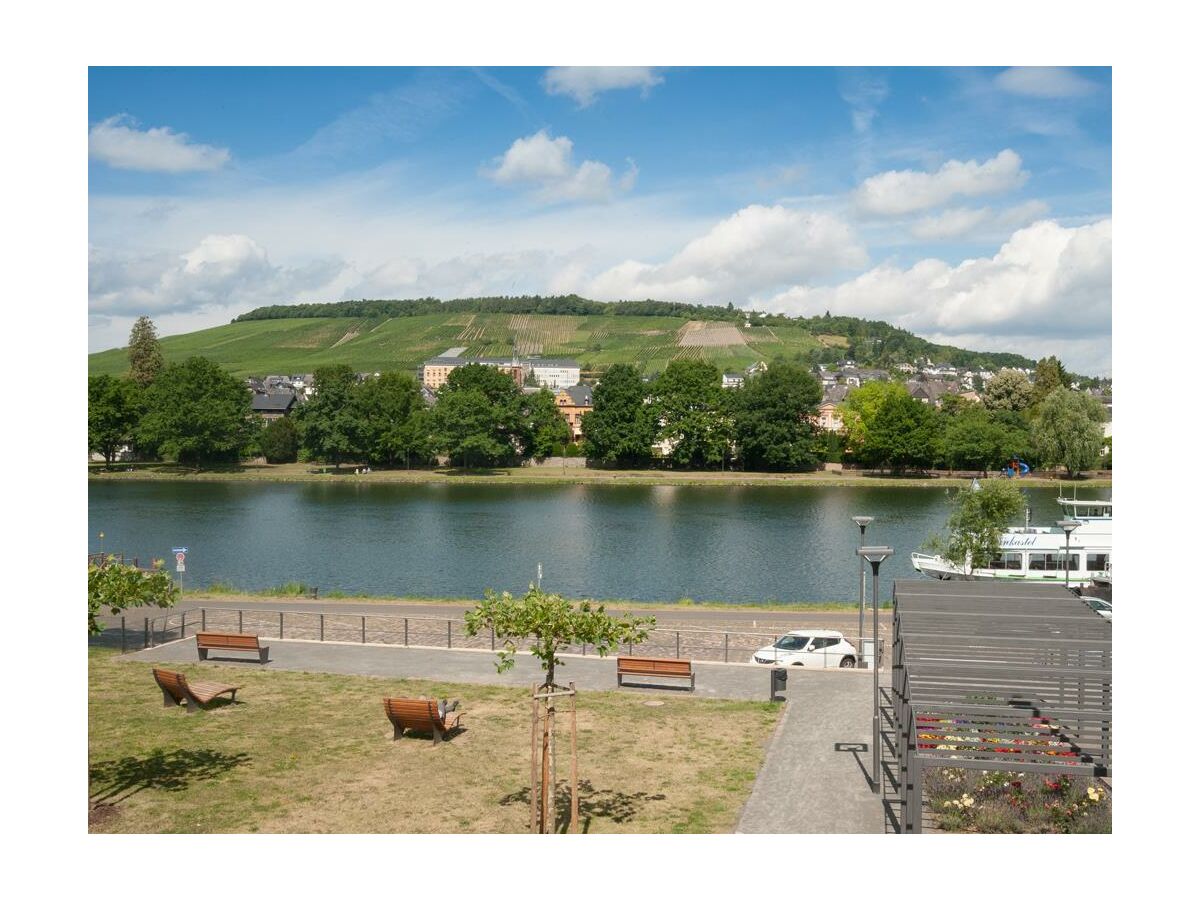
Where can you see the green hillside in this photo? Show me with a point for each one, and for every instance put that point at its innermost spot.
(265, 342)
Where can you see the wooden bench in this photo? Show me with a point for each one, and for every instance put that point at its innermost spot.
(176, 689)
(419, 715)
(220, 640)
(659, 667)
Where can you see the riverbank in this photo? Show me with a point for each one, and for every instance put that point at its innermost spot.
(311, 473)
(300, 593)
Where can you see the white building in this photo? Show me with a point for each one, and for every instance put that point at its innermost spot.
(555, 374)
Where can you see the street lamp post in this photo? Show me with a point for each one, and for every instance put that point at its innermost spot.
(875, 555)
(1068, 525)
(862, 522)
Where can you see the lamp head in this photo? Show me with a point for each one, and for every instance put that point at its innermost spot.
(875, 555)
(862, 521)
(1068, 525)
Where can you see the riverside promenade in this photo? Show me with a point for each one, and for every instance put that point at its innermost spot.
(733, 681)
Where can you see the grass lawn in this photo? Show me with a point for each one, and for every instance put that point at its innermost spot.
(313, 753)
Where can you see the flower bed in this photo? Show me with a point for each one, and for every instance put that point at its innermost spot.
(986, 802)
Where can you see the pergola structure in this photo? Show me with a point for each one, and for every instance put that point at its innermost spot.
(993, 675)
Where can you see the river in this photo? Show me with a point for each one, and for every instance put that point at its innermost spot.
(652, 543)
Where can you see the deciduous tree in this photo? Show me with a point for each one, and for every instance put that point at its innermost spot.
(978, 520)
(478, 418)
(773, 420)
(548, 428)
(550, 623)
(114, 409)
(620, 428)
(395, 420)
(692, 413)
(973, 439)
(331, 423)
(196, 413)
(1008, 389)
(116, 588)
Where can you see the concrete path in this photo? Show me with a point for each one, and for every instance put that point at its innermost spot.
(734, 681)
(815, 779)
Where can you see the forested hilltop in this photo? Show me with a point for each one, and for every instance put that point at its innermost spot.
(866, 342)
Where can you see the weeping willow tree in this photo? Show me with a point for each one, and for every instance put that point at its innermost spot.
(549, 624)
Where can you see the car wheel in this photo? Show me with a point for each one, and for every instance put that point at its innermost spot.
(846, 663)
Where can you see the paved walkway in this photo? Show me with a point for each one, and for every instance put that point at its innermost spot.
(807, 785)
(734, 681)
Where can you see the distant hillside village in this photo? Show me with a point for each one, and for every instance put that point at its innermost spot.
(472, 411)
(277, 395)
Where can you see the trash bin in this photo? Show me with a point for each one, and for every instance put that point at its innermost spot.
(778, 683)
(868, 655)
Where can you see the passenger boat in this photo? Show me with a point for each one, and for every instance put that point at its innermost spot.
(1038, 553)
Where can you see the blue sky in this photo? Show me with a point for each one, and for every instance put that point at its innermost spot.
(971, 206)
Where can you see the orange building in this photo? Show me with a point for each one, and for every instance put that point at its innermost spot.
(574, 403)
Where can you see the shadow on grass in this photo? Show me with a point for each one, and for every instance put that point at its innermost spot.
(117, 780)
(615, 806)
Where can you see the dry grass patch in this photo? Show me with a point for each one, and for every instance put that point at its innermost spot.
(306, 752)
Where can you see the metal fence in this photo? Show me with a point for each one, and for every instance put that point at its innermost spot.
(1003, 677)
(131, 632)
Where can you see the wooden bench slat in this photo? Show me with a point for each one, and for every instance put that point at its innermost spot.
(175, 685)
(664, 667)
(220, 640)
(419, 715)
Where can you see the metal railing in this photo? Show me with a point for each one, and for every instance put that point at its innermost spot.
(130, 632)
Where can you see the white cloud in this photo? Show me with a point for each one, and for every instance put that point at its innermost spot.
(864, 91)
(899, 192)
(222, 270)
(1043, 81)
(1046, 283)
(758, 248)
(545, 164)
(117, 142)
(583, 83)
(962, 222)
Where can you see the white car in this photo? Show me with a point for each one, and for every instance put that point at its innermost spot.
(1102, 607)
(816, 649)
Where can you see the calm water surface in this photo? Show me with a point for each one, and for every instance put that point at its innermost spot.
(642, 542)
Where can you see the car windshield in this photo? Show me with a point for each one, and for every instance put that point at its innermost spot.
(791, 642)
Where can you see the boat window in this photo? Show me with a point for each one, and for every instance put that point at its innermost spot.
(1096, 562)
(1052, 562)
(1006, 561)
